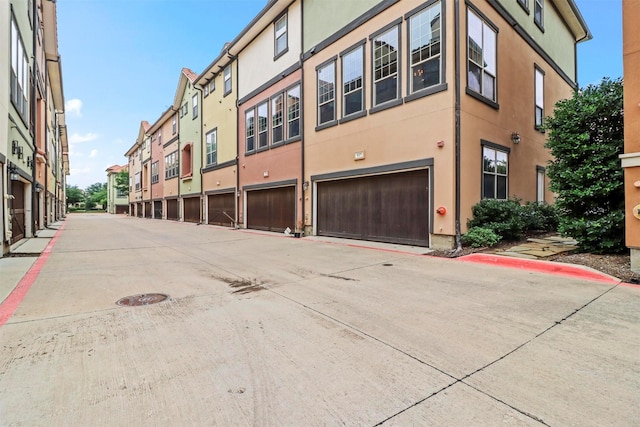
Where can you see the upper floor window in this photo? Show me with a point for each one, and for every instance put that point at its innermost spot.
(160, 137)
(195, 106)
(424, 45)
(138, 181)
(155, 172)
(539, 93)
(352, 81)
(19, 73)
(481, 76)
(326, 75)
(277, 118)
(174, 127)
(263, 124)
(280, 36)
(495, 173)
(538, 13)
(171, 165)
(250, 130)
(293, 112)
(212, 85)
(206, 90)
(524, 4)
(227, 80)
(386, 82)
(185, 109)
(212, 147)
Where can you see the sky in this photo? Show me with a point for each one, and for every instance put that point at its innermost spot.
(121, 62)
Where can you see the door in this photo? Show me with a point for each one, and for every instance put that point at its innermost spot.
(172, 209)
(17, 211)
(191, 209)
(272, 210)
(147, 209)
(390, 208)
(221, 209)
(157, 209)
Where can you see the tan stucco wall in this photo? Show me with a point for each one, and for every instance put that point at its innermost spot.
(282, 162)
(170, 186)
(261, 51)
(631, 63)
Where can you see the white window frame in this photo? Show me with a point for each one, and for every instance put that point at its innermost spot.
(326, 90)
(293, 110)
(278, 35)
(195, 105)
(538, 13)
(386, 69)
(228, 83)
(155, 172)
(352, 63)
(539, 99)
(277, 118)
(483, 59)
(171, 165)
(262, 125)
(174, 126)
(421, 30)
(250, 130)
(494, 152)
(212, 147)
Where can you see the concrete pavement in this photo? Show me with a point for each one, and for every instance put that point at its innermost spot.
(268, 330)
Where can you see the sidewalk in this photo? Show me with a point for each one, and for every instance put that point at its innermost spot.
(15, 265)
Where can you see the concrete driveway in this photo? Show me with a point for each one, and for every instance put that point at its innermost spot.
(267, 330)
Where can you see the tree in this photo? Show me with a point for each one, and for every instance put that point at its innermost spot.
(74, 195)
(96, 194)
(585, 138)
(122, 182)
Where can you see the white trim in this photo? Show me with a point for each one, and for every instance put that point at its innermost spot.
(630, 160)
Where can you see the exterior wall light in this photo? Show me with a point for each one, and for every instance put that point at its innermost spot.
(13, 173)
(515, 137)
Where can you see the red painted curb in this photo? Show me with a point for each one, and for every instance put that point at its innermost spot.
(549, 267)
(11, 303)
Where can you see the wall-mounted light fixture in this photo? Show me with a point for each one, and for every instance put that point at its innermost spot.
(515, 137)
(305, 186)
(29, 162)
(20, 153)
(13, 173)
(14, 147)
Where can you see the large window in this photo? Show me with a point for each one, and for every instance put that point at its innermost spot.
(212, 147)
(174, 126)
(352, 81)
(138, 181)
(386, 82)
(263, 124)
(155, 172)
(326, 76)
(227, 80)
(424, 45)
(538, 13)
(482, 56)
(495, 170)
(250, 130)
(195, 106)
(277, 118)
(19, 73)
(280, 36)
(293, 112)
(171, 165)
(539, 89)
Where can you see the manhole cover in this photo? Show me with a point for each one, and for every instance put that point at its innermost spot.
(142, 299)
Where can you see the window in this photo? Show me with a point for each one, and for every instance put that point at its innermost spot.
(138, 183)
(277, 118)
(352, 81)
(19, 73)
(173, 125)
(185, 109)
(293, 112)
(206, 90)
(155, 172)
(280, 36)
(538, 13)
(385, 67)
(212, 147)
(186, 161)
(524, 4)
(250, 130)
(540, 179)
(494, 173)
(482, 57)
(212, 85)
(263, 124)
(424, 45)
(227, 80)
(195, 106)
(539, 89)
(171, 165)
(326, 93)
(159, 136)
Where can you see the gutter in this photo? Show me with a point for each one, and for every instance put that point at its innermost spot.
(456, 23)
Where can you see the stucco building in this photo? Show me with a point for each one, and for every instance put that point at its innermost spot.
(117, 200)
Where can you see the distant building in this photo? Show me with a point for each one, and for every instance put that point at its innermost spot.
(117, 200)
(631, 156)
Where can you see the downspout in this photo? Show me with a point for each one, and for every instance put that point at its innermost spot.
(34, 35)
(302, 169)
(238, 191)
(200, 113)
(456, 23)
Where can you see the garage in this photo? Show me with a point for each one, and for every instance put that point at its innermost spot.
(147, 209)
(221, 209)
(172, 209)
(122, 209)
(191, 209)
(157, 209)
(272, 209)
(390, 208)
(18, 217)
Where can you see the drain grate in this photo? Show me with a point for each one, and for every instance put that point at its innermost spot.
(142, 299)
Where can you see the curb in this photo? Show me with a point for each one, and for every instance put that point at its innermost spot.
(549, 267)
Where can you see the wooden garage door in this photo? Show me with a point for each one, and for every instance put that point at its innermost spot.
(122, 209)
(147, 209)
(172, 209)
(384, 208)
(222, 209)
(17, 211)
(157, 209)
(191, 209)
(140, 210)
(272, 210)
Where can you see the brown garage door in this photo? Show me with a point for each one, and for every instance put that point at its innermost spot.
(384, 208)
(271, 210)
(122, 209)
(172, 209)
(147, 209)
(191, 209)
(157, 209)
(222, 209)
(17, 211)
(140, 210)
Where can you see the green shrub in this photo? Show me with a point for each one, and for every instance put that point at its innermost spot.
(478, 237)
(539, 217)
(503, 217)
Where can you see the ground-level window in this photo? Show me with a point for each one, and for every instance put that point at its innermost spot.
(495, 171)
(540, 179)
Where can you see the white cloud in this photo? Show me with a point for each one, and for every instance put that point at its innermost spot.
(80, 171)
(77, 138)
(118, 141)
(73, 107)
(94, 153)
